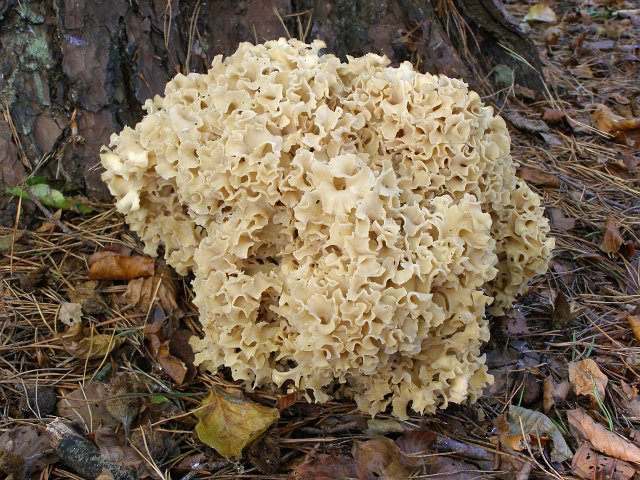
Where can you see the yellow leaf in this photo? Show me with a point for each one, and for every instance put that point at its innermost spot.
(85, 343)
(587, 378)
(540, 12)
(228, 423)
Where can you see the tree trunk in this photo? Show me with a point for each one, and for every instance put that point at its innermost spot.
(74, 71)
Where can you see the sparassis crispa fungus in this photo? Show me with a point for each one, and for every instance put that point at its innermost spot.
(348, 224)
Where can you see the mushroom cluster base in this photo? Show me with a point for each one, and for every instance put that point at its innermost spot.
(348, 224)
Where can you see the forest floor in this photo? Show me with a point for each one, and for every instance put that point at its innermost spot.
(565, 401)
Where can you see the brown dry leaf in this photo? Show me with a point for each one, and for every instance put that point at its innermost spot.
(552, 35)
(286, 400)
(631, 400)
(48, 226)
(562, 313)
(123, 398)
(172, 350)
(85, 406)
(553, 115)
(602, 439)
(104, 475)
(85, 294)
(109, 250)
(121, 267)
(416, 447)
(162, 286)
(85, 343)
(514, 441)
(327, 467)
(587, 379)
(554, 393)
(172, 366)
(589, 464)
(452, 469)
(560, 221)
(582, 71)
(24, 450)
(540, 12)
(634, 323)
(381, 456)
(228, 421)
(265, 454)
(625, 130)
(538, 177)
(612, 239)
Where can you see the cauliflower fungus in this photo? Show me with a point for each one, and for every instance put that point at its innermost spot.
(347, 223)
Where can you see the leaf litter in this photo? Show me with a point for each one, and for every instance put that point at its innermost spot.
(578, 146)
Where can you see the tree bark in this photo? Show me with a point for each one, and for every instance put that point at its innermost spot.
(74, 71)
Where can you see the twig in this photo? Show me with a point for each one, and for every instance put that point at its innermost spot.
(81, 455)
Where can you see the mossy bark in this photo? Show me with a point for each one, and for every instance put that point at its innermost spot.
(74, 71)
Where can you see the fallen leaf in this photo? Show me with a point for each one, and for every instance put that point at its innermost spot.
(416, 447)
(121, 267)
(85, 406)
(531, 125)
(554, 393)
(540, 12)
(612, 241)
(582, 71)
(285, 401)
(85, 343)
(109, 251)
(172, 350)
(552, 140)
(70, 313)
(552, 35)
(523, 420)
(123, 398)
(562, 312)
(7, 240)
(228, 421)
(587, 379)
(634, 323)
(503, 76)
(172, 366)
(624, 130)
(589, 464)
(265, 454)
(553, 115)
(602, 439)
(104, 475)
(124, 456)
(381, 456)
(560, 221)
(48, 226)
(327, 467)
(631, 400)
(24, 450)
(514, 323)
(519, 441)
(538, 177)
(161, 287)
(453, 469)
(85, 294)
(32, 279)
(39, 401)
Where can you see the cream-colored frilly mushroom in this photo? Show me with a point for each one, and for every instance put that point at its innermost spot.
(348, 224)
